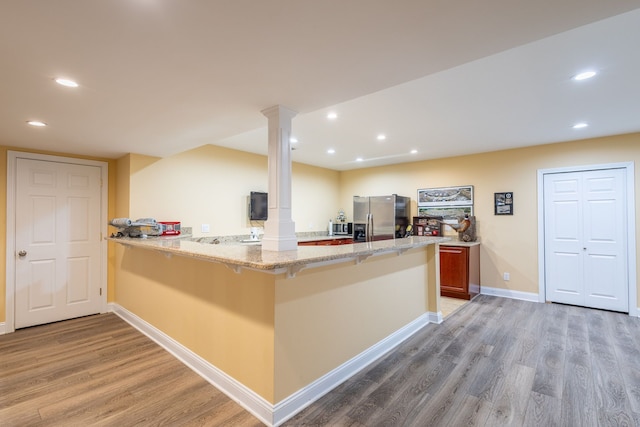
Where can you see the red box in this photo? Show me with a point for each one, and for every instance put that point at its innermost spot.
(170, 228)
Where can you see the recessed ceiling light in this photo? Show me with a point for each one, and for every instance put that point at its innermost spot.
(36, 123)
(580, 125)
(331, 151)
(359, 159)
(414, 151)
(293, 140)
(332, 116)
(381, 137)
(584, 75)
(66, 82)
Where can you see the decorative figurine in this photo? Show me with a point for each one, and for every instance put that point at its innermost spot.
(466, 228)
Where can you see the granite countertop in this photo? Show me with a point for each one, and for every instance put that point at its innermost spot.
(238, 256)
(454, 242)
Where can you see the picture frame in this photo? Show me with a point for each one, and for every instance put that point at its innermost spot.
(503, 203)
(449, 214)
(446, 196)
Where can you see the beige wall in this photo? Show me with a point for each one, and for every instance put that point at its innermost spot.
(224, 317)
(326, 316)
(509, 243)
(210, 185)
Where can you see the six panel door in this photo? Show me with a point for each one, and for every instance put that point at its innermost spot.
(57, 240)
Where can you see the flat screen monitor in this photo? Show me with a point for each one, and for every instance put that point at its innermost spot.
(258, 206)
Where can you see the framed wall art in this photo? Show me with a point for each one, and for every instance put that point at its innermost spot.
(503, 203)
(446, 196)
(448, 213)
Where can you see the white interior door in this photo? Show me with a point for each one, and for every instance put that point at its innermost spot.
(57, 241)
(585, 239)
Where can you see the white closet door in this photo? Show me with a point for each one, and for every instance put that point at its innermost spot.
(585, 239)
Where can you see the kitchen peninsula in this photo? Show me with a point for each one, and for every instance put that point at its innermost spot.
(276, 330)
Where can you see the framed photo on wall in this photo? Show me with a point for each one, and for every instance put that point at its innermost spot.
(448, 213)
(446, 196)
(503, 203)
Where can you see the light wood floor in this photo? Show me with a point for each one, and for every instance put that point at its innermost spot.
(448, 306)
(498, 362)
(493, 362)
(100, 371)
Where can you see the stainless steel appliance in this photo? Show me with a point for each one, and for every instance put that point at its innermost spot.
(380, 217)
(343, 228)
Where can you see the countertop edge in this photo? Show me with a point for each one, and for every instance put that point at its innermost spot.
(253, 257)
(459, 243)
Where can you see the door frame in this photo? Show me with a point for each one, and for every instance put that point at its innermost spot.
(10, 280)
(631, 226)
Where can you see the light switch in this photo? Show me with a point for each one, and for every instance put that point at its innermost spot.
(205, 228)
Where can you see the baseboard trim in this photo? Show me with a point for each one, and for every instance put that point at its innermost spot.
(3, 328)
(274, 415)
(435, 317)
(524, 296)
(238, 392)
(304, 397)
(508, 293)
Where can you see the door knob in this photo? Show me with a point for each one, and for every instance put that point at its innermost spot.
(22, 253)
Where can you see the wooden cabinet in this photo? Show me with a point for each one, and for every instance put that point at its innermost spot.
(327, 242)
(460, 271)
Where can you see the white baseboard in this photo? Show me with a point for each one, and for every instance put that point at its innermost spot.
(274, 415)
(435, 317)
(508, 293)
(525, 296)
(244, 396)
(304, 397)
(3, 328)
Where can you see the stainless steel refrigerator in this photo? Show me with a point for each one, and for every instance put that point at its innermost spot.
(380, 217)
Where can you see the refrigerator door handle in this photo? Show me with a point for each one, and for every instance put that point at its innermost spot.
(367, 229)
(370, 238)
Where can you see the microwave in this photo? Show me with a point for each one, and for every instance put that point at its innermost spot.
(343, 228)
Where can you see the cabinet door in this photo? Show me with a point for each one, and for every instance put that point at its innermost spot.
(454, 269)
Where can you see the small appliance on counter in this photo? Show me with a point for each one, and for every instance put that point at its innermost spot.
(141, 227)
(170, 228)
(342, 228)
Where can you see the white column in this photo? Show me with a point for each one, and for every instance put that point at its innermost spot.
(279, 229)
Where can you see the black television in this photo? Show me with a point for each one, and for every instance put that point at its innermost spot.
(258, 206)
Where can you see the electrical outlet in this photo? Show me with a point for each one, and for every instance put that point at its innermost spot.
(506, 277)
(205, 228)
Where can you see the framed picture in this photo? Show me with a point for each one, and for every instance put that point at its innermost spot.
(446, 196)
(448, 213)
(503, 203)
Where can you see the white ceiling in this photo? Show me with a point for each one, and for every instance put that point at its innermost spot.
(159, 77)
